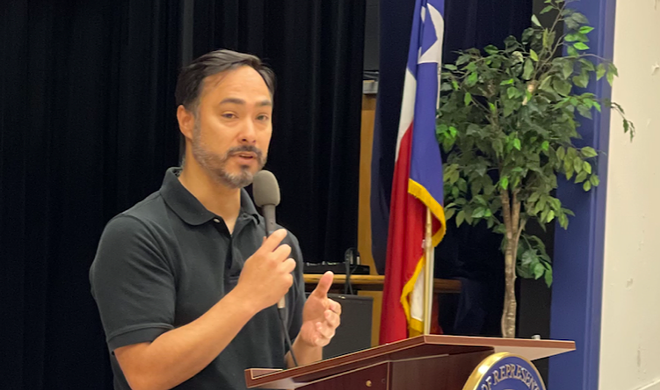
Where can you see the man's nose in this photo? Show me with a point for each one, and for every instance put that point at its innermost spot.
(248, 134)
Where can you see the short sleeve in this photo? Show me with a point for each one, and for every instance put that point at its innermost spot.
(132, 283)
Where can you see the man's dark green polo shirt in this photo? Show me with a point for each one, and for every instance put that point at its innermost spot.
(168, 260)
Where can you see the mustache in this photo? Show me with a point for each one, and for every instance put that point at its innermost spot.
(246, 148)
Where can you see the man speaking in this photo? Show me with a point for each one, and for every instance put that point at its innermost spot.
(185, 282)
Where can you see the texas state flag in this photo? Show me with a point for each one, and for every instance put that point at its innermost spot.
(417, 183)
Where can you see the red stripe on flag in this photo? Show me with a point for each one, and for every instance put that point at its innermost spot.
(404, 247)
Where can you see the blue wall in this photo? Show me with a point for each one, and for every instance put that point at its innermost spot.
(578, 267)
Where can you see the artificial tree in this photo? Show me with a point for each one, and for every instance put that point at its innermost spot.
(507, 123)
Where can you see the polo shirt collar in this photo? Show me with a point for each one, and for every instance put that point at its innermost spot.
(188, 208)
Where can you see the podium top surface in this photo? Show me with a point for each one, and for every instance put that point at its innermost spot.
(416, 347)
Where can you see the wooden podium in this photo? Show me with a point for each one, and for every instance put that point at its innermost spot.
(423, 362)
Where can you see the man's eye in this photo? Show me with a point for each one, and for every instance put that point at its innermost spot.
(229, 115)
(263, 117)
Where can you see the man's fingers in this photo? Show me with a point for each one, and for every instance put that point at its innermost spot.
(324, 285)
(288, 265)
(282, 252)
(273, 241)
(325, 331)
(334, 306)
(332, 318)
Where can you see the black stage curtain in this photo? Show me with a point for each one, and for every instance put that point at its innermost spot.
(316, 50)
(88, 128)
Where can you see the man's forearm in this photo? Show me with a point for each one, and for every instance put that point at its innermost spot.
(181, 353)
(305, 353)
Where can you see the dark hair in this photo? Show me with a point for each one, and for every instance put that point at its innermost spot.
(191, 79)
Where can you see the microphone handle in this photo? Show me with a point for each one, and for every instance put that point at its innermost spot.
(269, 215)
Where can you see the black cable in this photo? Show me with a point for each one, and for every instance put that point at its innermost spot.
(286, 336)
(349, 258)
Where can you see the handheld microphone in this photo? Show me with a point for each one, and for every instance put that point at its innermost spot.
(266, 193)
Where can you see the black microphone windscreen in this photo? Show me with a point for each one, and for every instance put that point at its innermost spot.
(265, 189)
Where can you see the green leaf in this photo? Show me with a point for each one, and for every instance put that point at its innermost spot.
(597, 105)
(479, 212)
(550, 217)
(581, 80)
(586, 29)
(561, 152)
(562, 87)
(507, 82)
(464, 58)
(578, 17)
(500, 229)
(472, 79)
(451, 67)
(567, 69)
(568, 167)
(490, 49)
(533, 55)
(493, 107)
(454, 84)
(538, 270)
(460, 217)
(548, 277)
(516, 143)
(572, 52)
(594, 180)
(504, 182)
(581, 46)
(586, 167)
(581, 177)
(610, 78)
(587, 65)
(584, 111)
(545, 85)
(588, 152)
(512, 92)
(613, 69)
(547, 9)
(600, 71)
(467, 99)
(587, 185)
(449, 213)
(535, 20)
(577, 164)
(528, 69)
(545, 145)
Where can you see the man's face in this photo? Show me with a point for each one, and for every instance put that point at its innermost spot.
(233, 126)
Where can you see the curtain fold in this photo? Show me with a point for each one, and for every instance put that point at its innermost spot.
(87, 130)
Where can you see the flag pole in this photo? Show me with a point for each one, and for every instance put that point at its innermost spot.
(428, 272)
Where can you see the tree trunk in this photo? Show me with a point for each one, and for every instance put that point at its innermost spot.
(510, 304)
(511, 211)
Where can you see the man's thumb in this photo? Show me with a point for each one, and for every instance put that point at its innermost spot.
(324, 284)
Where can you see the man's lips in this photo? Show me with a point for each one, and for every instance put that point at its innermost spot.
(247, 156)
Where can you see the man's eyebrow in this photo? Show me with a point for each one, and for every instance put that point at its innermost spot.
(230, 100)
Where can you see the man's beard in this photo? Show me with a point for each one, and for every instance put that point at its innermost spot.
(216, 164)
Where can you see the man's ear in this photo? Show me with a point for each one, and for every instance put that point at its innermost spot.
(186, 121)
